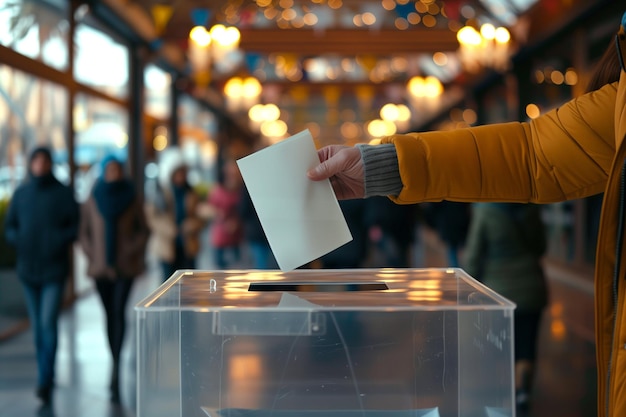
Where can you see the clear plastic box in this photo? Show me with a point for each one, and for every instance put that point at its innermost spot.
(360, 342)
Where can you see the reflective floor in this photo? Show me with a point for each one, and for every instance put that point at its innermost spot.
(564, 386)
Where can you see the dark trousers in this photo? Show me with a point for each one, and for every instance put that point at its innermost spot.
(44, 306)
(114, 295)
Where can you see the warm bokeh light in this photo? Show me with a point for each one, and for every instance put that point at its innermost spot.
(532, 111)
(389, 112)
(469, 116)
(159, 142)
(440, 59)
(200, 36)
(429, 21)
(502, 35)
(274, 129)
(539, 77)
(557, 77)
(251, 87)
(310, 19)
(350, 130)
(467, 35)
(488, 31)
(429, 87)
(233, 87)
(378, 128)
(368, 18)
(571, 77)
(414, 18)
(389, 4)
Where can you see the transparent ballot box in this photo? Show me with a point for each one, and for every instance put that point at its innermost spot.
(360, 342)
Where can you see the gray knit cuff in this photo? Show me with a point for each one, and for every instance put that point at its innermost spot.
(381, 172)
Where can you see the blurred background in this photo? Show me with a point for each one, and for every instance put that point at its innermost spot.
(219, 79)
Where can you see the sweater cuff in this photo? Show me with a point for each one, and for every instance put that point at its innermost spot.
(381, 172)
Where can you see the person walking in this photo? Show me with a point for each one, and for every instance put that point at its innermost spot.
(505, 244)
(574, 151)
(42, 224)
(113, 234)
(226, 233)
(173, 216)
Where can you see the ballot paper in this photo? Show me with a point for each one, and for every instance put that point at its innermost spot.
(301, 218)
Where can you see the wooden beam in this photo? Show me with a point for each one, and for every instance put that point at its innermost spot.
(348, 42)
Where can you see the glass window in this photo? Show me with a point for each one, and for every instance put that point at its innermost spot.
(157, 86)
(197, 132)
(101, 129)
(32, 112)
(36, 29)
(101, 62)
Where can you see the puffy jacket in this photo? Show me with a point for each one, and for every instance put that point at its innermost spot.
(132, 238)
(42, 223)
(571, 152)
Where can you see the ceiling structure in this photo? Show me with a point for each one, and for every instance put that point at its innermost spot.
(330, 65)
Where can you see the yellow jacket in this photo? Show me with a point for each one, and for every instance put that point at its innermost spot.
(571, 152)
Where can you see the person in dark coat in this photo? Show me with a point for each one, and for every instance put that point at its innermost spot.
(42, 223)
(505, 244)
(114, 234)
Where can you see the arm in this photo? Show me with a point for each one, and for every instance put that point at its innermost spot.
(564, 154)
(69, 229)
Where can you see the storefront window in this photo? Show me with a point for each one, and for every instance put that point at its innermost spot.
(157, 86)
(101, 129)
(36, 29)
(101, 62)
(32, 112)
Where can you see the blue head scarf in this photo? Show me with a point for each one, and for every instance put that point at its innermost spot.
(112, 199)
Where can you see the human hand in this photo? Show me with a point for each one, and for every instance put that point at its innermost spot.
(344, 167)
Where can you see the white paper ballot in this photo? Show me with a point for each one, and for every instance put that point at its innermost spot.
(301, 218)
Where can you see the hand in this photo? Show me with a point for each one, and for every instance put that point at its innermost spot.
(344, 167)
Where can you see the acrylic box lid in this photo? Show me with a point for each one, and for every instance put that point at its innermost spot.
(324, 289)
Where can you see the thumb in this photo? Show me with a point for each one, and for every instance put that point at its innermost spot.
(321, 172)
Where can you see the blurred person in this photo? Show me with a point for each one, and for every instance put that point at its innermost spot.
(450, 219)
(354, 253)
(174, 217)
(391, 228)
(574, 151)
(42, 223)
(505, 244)
(254, 235)
(226, 231)
(113, 234)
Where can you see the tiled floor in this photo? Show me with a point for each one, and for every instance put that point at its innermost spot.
(565, 380)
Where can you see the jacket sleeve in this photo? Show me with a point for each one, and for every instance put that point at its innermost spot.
(563, 154)
(69, 231)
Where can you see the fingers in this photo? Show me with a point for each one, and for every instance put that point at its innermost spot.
(328, 166)
(321, 172)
